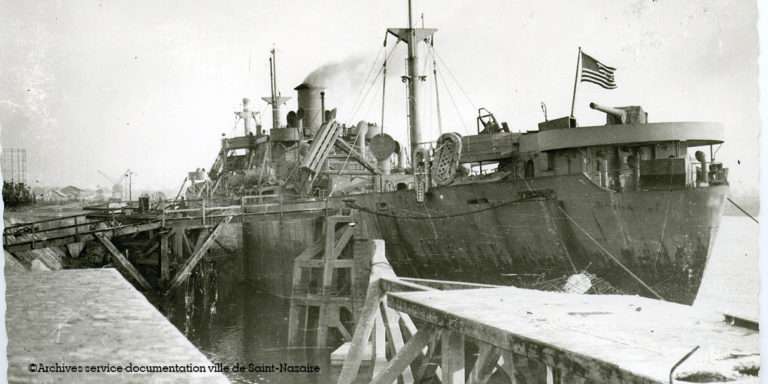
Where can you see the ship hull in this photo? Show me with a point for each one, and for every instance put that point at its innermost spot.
(524, 232)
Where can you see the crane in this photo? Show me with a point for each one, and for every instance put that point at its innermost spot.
(117, 185)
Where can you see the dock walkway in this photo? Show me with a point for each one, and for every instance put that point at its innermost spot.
(606, 338)
(476, 333)
(93, 318)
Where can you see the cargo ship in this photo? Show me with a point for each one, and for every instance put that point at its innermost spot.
(633, 203)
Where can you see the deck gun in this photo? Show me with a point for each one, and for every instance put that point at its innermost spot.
(622, 115)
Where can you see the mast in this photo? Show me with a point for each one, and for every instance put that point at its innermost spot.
(275, 100)
(273, 86)
(412, 37)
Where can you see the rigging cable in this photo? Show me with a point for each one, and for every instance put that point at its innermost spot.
(743, 210)
(384, 85)
(384, 71)
(639, 280)
(437, 91)
(365, 82)
(453, 101)
(614, 258)
(455, 80)
(365, 95)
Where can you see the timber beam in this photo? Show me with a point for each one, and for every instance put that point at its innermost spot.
(54, 241)
(123, 262)
(198, 254)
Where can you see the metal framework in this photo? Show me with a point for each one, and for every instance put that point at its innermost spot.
(14, 165)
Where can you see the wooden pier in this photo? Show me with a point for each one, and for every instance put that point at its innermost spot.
(506, 334)
(93, 319)
(168, 244)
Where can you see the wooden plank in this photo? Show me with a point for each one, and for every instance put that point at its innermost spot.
(61, 240)
(379, 344)
(452, 360)
(344, 332)
(342, 242)
(318, 263)
(394, 284)
(190, 264)
(310, 251)
(391, 322)
(201, 236)
(447, 284)
(123, 262)
(407, 325)
(404, 358)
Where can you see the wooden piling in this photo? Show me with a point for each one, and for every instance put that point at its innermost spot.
(452, 359)
(165, 268)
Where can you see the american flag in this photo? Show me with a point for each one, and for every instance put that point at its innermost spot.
(595, 72)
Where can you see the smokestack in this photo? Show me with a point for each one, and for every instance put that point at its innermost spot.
(322, 106)
(310, 104)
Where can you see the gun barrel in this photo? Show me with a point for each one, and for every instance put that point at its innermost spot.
(618, 113)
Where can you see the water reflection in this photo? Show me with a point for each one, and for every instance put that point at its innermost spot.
(236, 324)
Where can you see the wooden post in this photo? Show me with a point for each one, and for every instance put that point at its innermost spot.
(322, 325)
(178, 243)
(328, 257)
(379, 345)
(293, 324)
(452, 361)
(165, 269)
(553, 375)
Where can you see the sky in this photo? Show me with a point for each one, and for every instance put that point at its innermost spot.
(151, 86)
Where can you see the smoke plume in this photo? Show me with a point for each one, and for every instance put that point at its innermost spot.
(350, 70)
